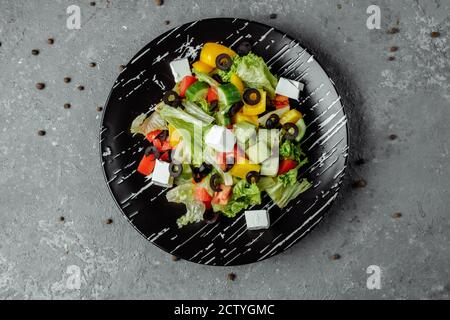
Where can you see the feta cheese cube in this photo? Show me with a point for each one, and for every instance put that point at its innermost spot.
(220, 139)
(161, 174)
(257, 219)
(289, 88)
(270, 167)
(180, 69)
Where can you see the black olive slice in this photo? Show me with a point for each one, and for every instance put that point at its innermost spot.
(175, 169)
(290, 131)
(235, 108)
(213, 105)
(171, 98)
(252, 96)
(252, 177)
(244, 48)
(152, 150)
(223, 62)
(205, 169)
(197, 176)
(214, 182)
(273, 121)
(210, 216)
(163, 135)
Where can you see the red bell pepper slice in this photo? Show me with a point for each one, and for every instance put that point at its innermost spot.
(212, 94)
(281, 101)
(286, 165)
(146, 165)
(152, 135)
(165, 156)
(185, 83)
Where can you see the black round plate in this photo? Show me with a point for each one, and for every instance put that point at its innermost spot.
(227, 242)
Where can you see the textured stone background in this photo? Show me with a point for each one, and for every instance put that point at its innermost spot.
(59, 174)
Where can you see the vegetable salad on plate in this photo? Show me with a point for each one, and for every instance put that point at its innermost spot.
(223, 136)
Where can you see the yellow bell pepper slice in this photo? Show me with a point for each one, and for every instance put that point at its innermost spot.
(291, 116)
(234, 79)
(242, 167)
(211, 50)
(202, 67)
(258, 108)
(241, 117)
(174, 136)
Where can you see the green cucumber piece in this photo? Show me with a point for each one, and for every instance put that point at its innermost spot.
(301, 129)
(197, 91)
(228, 94)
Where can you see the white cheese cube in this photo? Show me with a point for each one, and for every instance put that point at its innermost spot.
(180, 69)
(161, 174)
(220, 139)
(257, 219)
(289, 88)
(270, 167)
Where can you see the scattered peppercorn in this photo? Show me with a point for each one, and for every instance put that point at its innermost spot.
(339, 6)
(359, 183)
(35, 52)
(396, 215)
(92, 3)
(159, 2)
(80, 87)
(175, 258)
(92, 64)
(273, 16)
(121, 67)
(391, 58)
(335, 256)
(41, 133)
(393, 49)
(109, 221)
(435, 34)
(67, 105)
(360, 161)
(167, 22)
(62, 219)
(393, 136)
(231, 276)
(99, 109)
(67, 79)
(393, 30)
(40, 85)
(50, 41)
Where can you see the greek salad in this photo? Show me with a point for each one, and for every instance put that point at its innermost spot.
(224, 135)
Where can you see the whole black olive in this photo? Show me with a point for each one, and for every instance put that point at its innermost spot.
(210, 216)
(244, 48)
(214, 182)
(235, 108)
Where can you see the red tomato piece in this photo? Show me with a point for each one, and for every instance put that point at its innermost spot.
(223, 196)
(146, 165)
(152, 135)
(212, 94)
(286, 165)
(201, 194)
(185, 83)
(165, 156)
(281, 101)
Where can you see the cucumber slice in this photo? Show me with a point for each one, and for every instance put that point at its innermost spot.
(197, 91)
(301, 129)
(228, 94)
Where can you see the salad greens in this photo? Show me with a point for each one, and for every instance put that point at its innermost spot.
(225, 93)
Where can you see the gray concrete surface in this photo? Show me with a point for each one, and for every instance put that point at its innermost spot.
(59, 174)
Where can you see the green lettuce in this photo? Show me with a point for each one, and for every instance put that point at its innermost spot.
(253, 71)
(289, 178)
(282, 195)
(244, 195)
(184, 193)
(290, 150)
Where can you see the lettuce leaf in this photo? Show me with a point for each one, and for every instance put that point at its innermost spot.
(290, 150)
(253, 71)
(244, 195)
(282, 195)
(184, 193)
(289, 178)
